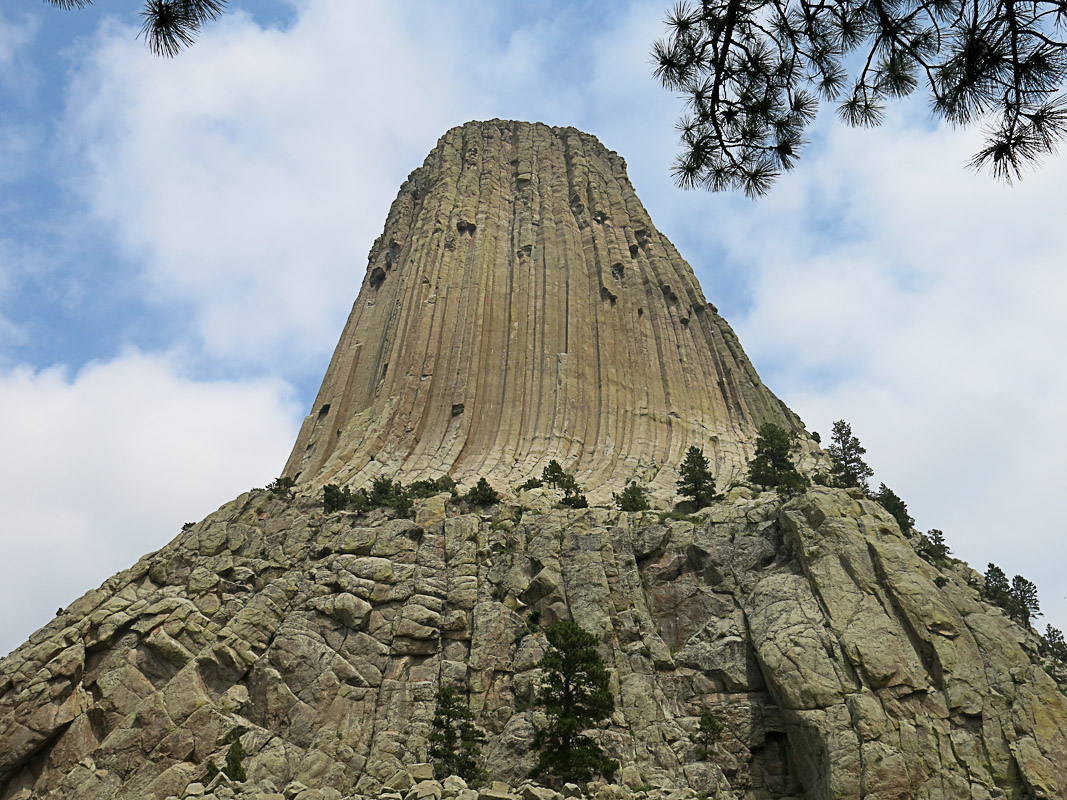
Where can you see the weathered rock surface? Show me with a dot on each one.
(839, 665)
(520, 306)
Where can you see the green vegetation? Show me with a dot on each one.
(384, 493)
(1055, 644)
(1019, 599)
(632, 498)
(421, 489)
(697, 481)
(772, 466)
(708, 731)
(455, 739)
(889, 500)
(482, 494)
(753, 75)
(281, 487)
(554, 476)
(574, 498)
(232, 769)
(848, 469)
(335, 498)
(234, 756)
(933, 548)
(533, 483)
(575, 695)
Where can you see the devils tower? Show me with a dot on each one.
(520, 307)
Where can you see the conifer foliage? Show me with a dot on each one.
(1019, 598)
(753, 73)
(773, 466)
(848, 469)
(482, 494)
(889, 500)
(575, 695)
(632, 498)
(697, 481)
(454, 739)
(708, 731)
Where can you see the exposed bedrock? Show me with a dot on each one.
(843, 665)
(520, 306)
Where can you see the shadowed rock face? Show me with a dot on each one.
(841, 664)
(520, 306)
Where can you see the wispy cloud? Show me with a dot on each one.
(231, 196)
(105, 465)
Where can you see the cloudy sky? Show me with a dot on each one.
(181, 240)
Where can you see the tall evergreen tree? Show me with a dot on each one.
(772, 466)
(697, 481)
(708, 731)
(848, 469)
(889, 500)
(455, 739)
(575, 695)
(1024, 595)
(1018, 599)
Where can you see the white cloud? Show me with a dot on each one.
(924, 304)
(252, 174)
(886, 285)
(104, 466)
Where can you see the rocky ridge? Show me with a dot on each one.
(419, 784)
(839, 665)
(521, 307)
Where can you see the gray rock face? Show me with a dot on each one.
(839, 666)
(520, 306)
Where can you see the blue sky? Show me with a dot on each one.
(181, 241)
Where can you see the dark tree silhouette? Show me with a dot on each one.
(753, 72)
(169, 25)
(575, 695)
(696, 479)
(848, 468)
(454, 738)
(772, 466)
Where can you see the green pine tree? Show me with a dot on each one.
(772, 466)
(233, 768)
(455, 739)
(848, 469)
(708, 731)
(482, 494)
(575, 695)
(889, 500)
(697, 481)
(553, 474)
(632, 498)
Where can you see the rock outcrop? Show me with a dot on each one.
(842, 664)
(520, 306)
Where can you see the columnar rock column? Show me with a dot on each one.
(520, 306)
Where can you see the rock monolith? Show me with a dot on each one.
(520, 307)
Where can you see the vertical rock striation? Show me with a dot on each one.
(520, 306)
